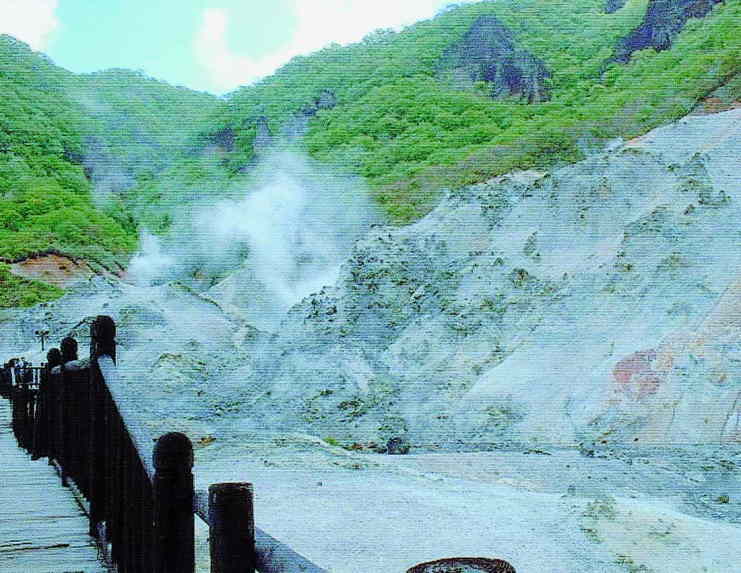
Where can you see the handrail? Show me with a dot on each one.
(21, 384)
(139, 492)
(140, 436)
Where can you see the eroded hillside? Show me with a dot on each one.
(595, 304)
(580, 326)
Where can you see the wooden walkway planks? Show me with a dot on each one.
(42, 529)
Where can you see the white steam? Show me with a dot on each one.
(284, 238)
(151, 263)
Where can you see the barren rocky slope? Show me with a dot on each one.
(596, 306)
(598, 303)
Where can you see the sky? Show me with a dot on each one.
(207, 45)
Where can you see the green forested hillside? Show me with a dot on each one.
(477, 91)
(45, 199)
(40, 129)
(141, 124)
(61, 136)
(139, 128)
(409, 132)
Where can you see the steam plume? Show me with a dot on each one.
(278, 239)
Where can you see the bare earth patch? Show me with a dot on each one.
(715, 105)
(54, 269)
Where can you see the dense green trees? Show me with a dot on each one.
(410, 133)
(45, 199)
(62, 134)
(140, 125)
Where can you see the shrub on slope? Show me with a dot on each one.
(15, 291)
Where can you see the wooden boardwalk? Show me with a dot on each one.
(42, 529)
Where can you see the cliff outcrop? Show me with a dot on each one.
(489, 53)
(663, 21)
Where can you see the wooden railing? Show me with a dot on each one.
(140, 499)
(21, 383)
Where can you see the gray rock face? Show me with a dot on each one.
(224, 138)
(596, 304)
(663, 21)
(397, 446)
(172, 345)
(488, 53)
(614, 5)
(326, 100)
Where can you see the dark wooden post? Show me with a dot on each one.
(481, 564)
(68, 347)
(5, 380)
(174, 525)
(97, 451)
(62, 450)
(232, 528)
(42, 428)
(18, 398)
(115, 496)
(103, 338)
(66, 422)
(102, 342)
(53, 359)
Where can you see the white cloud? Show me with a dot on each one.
(226, 68)
(32, 21)
(346, 21)
(319, 23)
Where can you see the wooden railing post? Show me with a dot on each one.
(76, 432)
(232, 528)
(65, 397)
(5, 385)
(20, 407)
(97, 451)
(42, 428)
(68, 347)
(174, 526)
(102, 468)
(61, 431)
(53, 359)
(103, 338)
